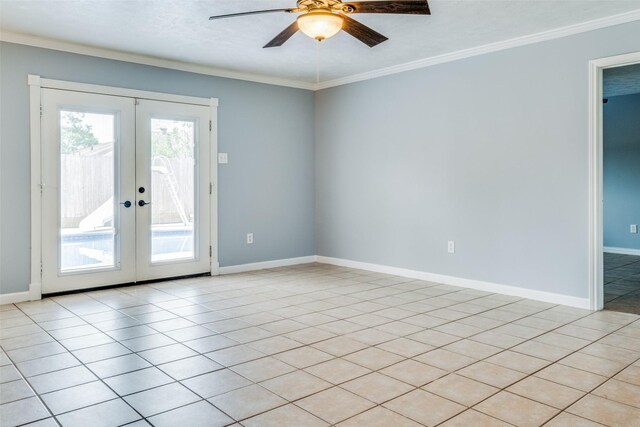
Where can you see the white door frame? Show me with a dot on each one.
(36, 83)
(596, 235)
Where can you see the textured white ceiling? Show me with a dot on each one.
(180, 30)
(621, 80)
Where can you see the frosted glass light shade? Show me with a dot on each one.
(320, 25)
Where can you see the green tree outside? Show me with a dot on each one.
(75, 135)
(174, 141)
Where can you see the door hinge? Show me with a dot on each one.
(211, 188)
(210, 126)
(41, 111)
(210, 251)
(136, 101)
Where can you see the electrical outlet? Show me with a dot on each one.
(451, 247)
(249, 238)
(633, 228)
(223, 158)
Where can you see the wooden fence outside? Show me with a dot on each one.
(86, 182)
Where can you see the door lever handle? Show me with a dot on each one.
(142, 203)
(127, 204)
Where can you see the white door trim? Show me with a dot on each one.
(213, 170)
(128, 93)
(35, 285)
(36, 83)
(596, 264)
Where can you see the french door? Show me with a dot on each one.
(126, 193)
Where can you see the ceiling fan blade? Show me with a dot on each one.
(363, 33)
(283, 36)
(415, 7)
(253, 12)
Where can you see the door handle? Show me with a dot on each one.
(142, 203)
(127, 204)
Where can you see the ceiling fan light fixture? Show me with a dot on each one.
(320, 25)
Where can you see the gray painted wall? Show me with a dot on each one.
(621, 117)
(267, 188)
(490, 151)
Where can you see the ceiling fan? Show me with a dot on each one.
(321, 19)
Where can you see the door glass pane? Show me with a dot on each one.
(87, 190)
(172, 189)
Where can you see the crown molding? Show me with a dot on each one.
(488, 48)
(46, 43)
(556, 33)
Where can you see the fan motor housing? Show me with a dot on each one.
(329, 5)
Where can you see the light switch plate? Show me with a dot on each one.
(633, 228)
(223, 158)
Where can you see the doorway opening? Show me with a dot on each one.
(621, 188)
(615, 180)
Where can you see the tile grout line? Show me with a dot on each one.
(35, 394)
(160, 332)
(81, 364)
(365, 327)
(471, 315)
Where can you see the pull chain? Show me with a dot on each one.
(317, 62)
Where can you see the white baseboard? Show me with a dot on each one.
(266, 264)
(465, 283)
(34, 293)
(378, 268)
(14, 297)
(622, 251)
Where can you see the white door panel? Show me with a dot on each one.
(88, 165)
(172, 222)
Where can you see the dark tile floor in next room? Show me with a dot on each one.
(622, 283)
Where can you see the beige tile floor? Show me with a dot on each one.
(314, 345)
